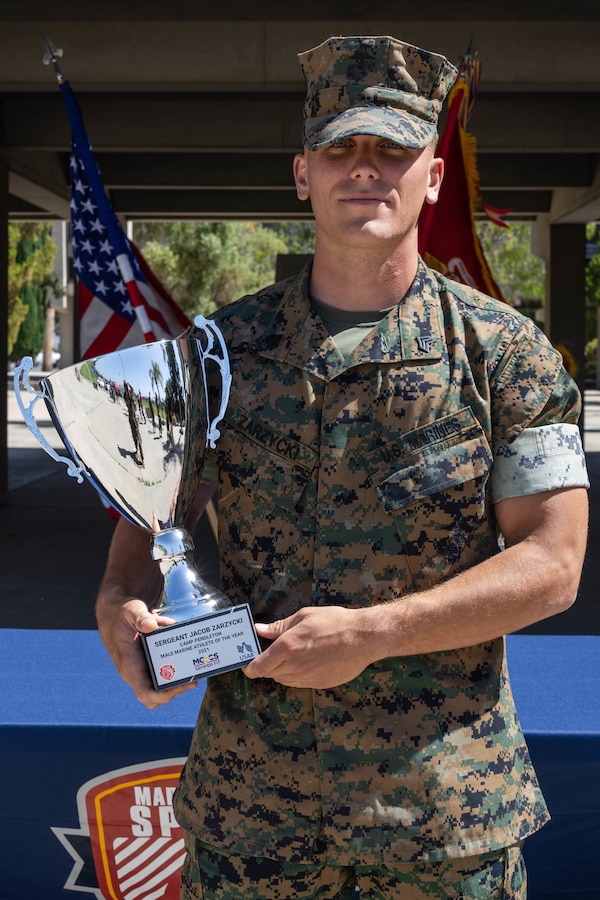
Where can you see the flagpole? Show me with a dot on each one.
(111, 222)
(51, 56)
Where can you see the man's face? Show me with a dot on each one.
(367, 190)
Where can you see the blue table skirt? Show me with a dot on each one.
(556, 683)
(67, 718)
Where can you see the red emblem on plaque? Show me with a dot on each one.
(167, 672)
(129, 834)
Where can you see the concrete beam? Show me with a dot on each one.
(570, 207)
(39, 181)
(537, 122)
(267, 122)
(259, 53)
(210, 204)
(520, 202)
(536, 170)
(227, 171)
(191, 10)
(157, 122)
(38, 196)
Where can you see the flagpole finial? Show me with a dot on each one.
(52, 55)
(471, 52)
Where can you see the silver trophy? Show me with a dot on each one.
(137, 424)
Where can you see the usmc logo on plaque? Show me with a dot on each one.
(128, 844)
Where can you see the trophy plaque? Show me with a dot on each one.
(137, 424)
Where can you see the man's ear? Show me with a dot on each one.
(301, 176)
(436, 176)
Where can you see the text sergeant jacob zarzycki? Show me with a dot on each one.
(400, 483)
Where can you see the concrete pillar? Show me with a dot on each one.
(598, 348)
(565, 304)
(69, 352)
(3, 333)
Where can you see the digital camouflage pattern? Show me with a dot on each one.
(355, 481)
(539, 459)
(211, 875)
(373, 85)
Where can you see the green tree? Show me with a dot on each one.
(592, 269)
(519, 273)
(207, 265)
(592, 298)
(31, 281)
(298, 237)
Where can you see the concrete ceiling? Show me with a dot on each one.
(194, 109)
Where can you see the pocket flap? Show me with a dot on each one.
(435, 457)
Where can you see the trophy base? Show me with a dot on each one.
(208, 645)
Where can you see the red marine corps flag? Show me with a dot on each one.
(121, 303)
(448, 240)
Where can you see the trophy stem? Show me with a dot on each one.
(183, 588)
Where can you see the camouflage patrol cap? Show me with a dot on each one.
(373, 85)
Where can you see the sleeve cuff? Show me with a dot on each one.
(539, 459)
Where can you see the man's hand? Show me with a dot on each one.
(129, 590)
(119, 627)
(317, 647)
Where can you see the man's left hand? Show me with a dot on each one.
(315, 648)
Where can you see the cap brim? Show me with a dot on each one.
(393, 124)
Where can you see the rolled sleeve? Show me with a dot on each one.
(543, 458)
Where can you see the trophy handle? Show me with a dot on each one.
(212, 332)
(21, 376)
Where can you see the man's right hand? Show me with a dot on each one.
(120, 624)
(129, 591)
(131, 585)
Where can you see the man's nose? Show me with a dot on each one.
(364, 164)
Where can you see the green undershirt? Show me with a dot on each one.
(348, 327)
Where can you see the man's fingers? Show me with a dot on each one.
(271, 630)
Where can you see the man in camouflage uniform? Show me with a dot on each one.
(401, 482)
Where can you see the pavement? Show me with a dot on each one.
(55, 535)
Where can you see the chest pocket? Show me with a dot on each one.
(450, 451)
(263, 460)
(432, 483)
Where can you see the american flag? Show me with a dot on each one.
(121, 303)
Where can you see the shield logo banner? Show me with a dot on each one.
(129, 846)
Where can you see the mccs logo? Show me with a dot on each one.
(207, 660)
(129, 845)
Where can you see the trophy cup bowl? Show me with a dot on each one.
(137, 424)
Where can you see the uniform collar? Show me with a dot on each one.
(412, 331)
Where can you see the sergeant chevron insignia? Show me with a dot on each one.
(426, 343)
